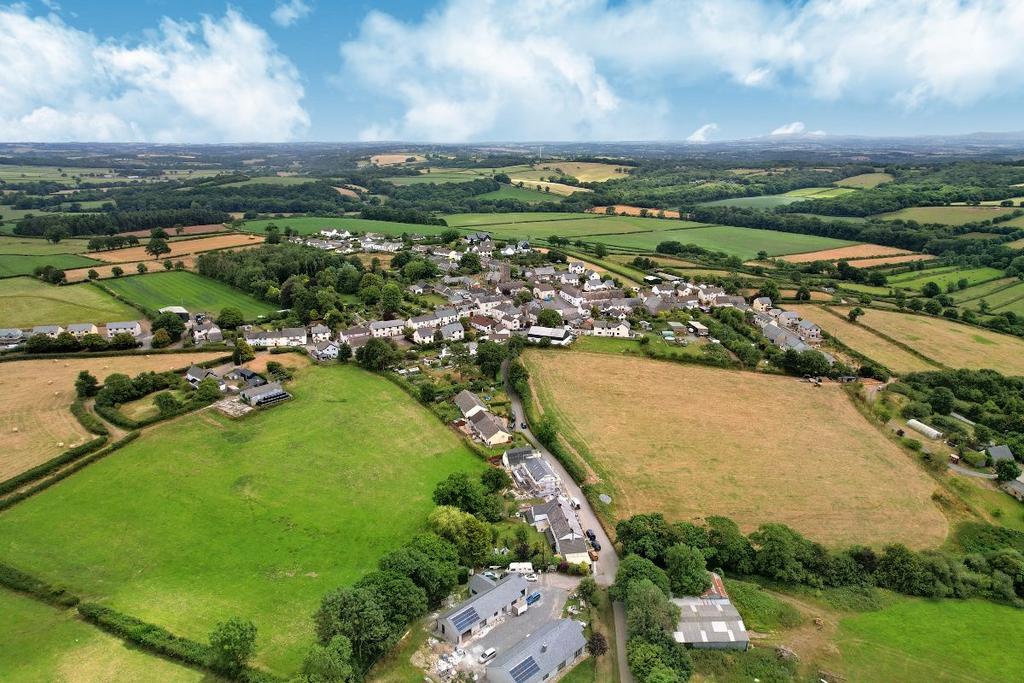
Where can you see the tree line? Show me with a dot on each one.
(117, 221)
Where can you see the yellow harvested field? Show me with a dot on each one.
(556, 188)
(81, 274)
(815, 295)
(1016, 244)
(187, 230)
(952, 344)
(35, 397)
(889, 260)
(852, 252)
(586, 171)
(628, 210)
(862, 340)
(393, 159)
(346, 192)
(757, 448)
(178, 248)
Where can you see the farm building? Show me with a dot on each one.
(697, 328)
(265, 395)
(998, 453)
(489, 600)
(930, 432)
(179, 311)
(544, 653)
(558, 336)
(710, 621)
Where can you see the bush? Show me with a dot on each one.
(18, 580)
(91, 423)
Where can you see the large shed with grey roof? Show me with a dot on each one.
(549, 650)
(485, 605)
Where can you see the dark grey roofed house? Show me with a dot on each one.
(516, 456)
(552, 648)
(468, 403)
(463, 620)
(490, 429)
(539, 469)
(1001, 452)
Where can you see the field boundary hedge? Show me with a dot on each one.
(158, 640)
(90, 422)
(14, 355)
(41, 470)
(21, 582)
(906, 347)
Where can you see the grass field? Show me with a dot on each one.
(865, 180)
(273, 180)
(206, 517)
(14, 173)
(1016, 244)
(983, 290)
(471, 220)
(178, 248)
(195, 292)
(523, 194)
(948, 215)
(915, 280)
(863, 340)
(106, 270)
(950, 343)
(12, 264)
(569, 225)
(584, 171)
(25, 302)
(309, 225)
(35, 396)
(41, 643)
(772, 200)
(753, 447)
(1009, 299)
(28, 245)
(633, 211)
(942, 640)
(851, 252)
(742, 242)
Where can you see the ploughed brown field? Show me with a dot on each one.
(105, 271)
(690, 442)
(633, 210)
(853, 251)
(188, 230)
(889, 260)
(35, 396)
(178, 248)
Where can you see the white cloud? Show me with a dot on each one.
(590, 68)
(702, 133)
(221, 79)
(794, 128)
(288, 12)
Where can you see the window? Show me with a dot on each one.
(561, 666)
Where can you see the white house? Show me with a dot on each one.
(79, 330)
(325, 350)
(289, 336)
(131, 327)
(604, 328)
(50, 331)
(319, 333)
(387, 328)
(468, 403)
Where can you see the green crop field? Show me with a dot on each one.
(980, 291)
(865, 180)
(440, 176)
(949, 215)
(42, 643)
(1009, 299)
(194, 292)
(208, 517)
(36, 246)
(13, 264)
(943, 277)
(741, 242)
(310, 225)
(25, 302)
(569, 225)
(819, 192)
(521, 193)
(773, 200)
(941, 640)
(472, 220)
(13, 173)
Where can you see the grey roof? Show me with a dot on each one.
(197, 372)
(466, 400)
(356, 332)
(516, 456)
(538, 468)
(487, 424)
(45, 329)
(571, 546)
(541, 653)
(541, 510)
(253, 392)
(446, 312)
(484, 604)
(11, 333)
(320, 329)
(80, 327)
(322, 346)
(123, 323)
(386, 324)
(1001, 452)
(294, 332)
(451, 330)
(703, 621)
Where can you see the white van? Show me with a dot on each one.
(488, 654)
(520, 567)
(575, 503)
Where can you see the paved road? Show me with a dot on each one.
(608, 563)
(971, 472)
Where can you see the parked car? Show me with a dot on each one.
(591, 535)
(522, 425)
(575, 503)
(533, 597)
(492, 576)
(530, 577)
(489, 654)
(597, 546)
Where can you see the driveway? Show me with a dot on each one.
(608, 563)
(969, 472)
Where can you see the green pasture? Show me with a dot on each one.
(950, 215)
(153, 291)
(207, 517)
(13, 173)
(864, 180)
(14, 264)
(772, 200)
(39, 247)
(43, 643)
(521, 193)
(742, 242)
(942, 277)
(1009, 299)
(25, 302)
(310, 225)
(473, 220)
(273, 180)
(982, 291)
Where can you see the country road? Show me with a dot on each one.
(608, 563)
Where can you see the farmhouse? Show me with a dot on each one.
(263, 396)
(547, 651)
(207, 331)
(489, 601)
(604, 328)
(131, 327)
(468, 403)
(710, 621)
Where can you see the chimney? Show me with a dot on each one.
(544, 647)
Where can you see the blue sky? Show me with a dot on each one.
(478, 70)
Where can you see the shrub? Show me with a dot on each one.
(17, 580)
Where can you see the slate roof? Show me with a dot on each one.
(466, 614)
(539, 654)
(487, 425)
(466, 400)
(1001, 452)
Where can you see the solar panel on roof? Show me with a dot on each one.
(524, 669)
(465, 619)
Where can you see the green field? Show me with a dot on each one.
(42, 643)
(441, 176)
(865, 180)
(25, 302)
(949, 215)
(469, 220)
(1009, 299)
(12, 264)
(981, 291)
(741, 242)
(36, 246)
(521, 193)
(941, 640)
(273, 180)
(772, 200)
(915, 280)
(208, 517)
(310, 225)
(194, 292)
(13, 173)
(568, 225)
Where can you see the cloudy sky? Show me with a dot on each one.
(474, 70)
